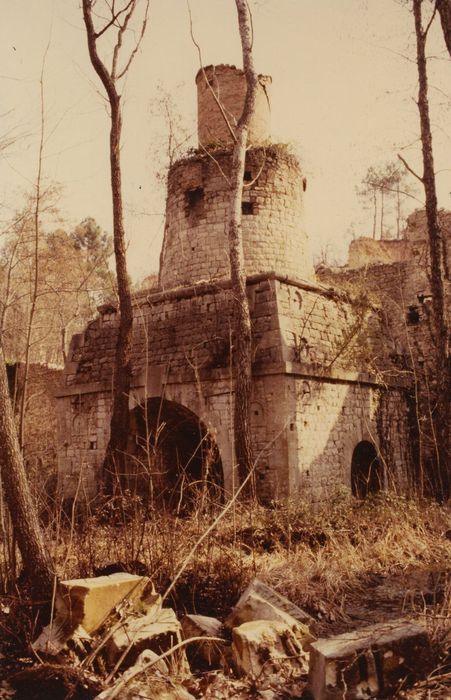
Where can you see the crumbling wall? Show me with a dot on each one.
(368, 251)
(229, 87)
(402, 292)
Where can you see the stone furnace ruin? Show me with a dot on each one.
(332, 354)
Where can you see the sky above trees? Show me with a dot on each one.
(343, 93)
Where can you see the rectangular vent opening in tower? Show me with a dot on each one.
(247, 208)
(194, 200)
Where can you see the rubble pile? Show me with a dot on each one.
(116, 628)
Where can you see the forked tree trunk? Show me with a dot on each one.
(243, 349)
(440, 477)
(36, 559)
(114, 462)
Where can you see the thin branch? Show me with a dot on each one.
(113, 19)
(138, 43)
(425, 33)
(407, 166)
(390, 189)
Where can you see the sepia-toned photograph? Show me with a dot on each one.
(225, 376)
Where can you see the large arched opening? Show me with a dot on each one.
(175, 461)
(366, 470)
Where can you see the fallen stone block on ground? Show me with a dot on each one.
(254, 607)
(272, 597)
(89, 601)
(158, 631)
(368, 662)
(83, 605)
(208, 654)
(267, 646)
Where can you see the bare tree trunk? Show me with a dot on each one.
(114, 458)
(444, 8)
(35, 557)
(243, 349)
(375, 212)
(114, 461)
(382, 214)
(34, 292)
(440, 477)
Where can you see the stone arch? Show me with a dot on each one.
(174, 458)
(366, 470)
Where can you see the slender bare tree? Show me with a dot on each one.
(243, 351)
(440, 476)
(119, 19)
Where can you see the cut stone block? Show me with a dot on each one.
(158, 631)
(267, 646)
(205, 655)
(254, 607)
(268, 594)
(89, 601)
(369, 662)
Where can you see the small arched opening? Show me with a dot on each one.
(175, 461)
(366, 470)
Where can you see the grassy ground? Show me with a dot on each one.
(348, 563)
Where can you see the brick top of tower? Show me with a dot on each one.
(228, 84)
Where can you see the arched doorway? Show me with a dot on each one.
(175, 461)
(366, 470)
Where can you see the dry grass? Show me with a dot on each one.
(328, 559)
(319, 557)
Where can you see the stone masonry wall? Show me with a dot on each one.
(308, 397)
(195, 245)
(403, 293)
(83, 427)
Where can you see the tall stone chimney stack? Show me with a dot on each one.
(226, 86)
(195, 245)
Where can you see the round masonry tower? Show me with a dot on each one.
(195, 245)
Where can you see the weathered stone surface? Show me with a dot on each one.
(230, 83)
(367, 662)
(207, 654)
(158, 631)
(267, 646)
(261, 602)
(89, 601)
